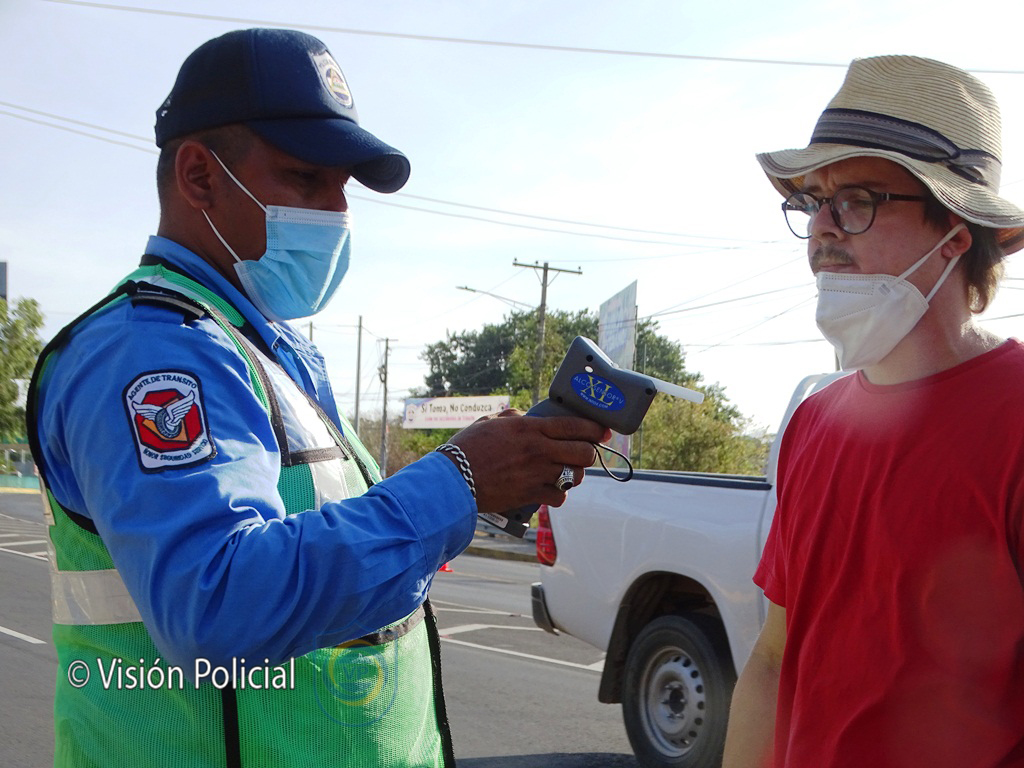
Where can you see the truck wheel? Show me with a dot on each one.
(676, 692)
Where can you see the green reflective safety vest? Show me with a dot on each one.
(374, 701)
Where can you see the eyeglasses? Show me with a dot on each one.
(853, 209)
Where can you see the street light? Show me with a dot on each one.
(513, 302)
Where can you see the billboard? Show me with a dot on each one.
(616, 331)
(616, 336)
(450, 412)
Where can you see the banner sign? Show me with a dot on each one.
(450, 412)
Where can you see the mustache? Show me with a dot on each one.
(829, 255)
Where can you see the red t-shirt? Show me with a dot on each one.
(897, 552)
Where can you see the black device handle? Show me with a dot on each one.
(587, 384)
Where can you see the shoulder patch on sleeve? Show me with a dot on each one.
(168, 420)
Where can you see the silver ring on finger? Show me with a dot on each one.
(567, 479)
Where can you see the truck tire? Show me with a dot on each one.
(676, 692)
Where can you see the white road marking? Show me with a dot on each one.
(33, 555)
(559, 662)
(17, 533)
(463, 628)
(446, 609)
(475, 627)
(460, 608)
(20, 636)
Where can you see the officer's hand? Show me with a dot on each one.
(517, 460)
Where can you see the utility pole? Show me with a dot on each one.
(541, 316)
(359, 362)
(384, 416)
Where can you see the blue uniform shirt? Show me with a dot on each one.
(216, 568)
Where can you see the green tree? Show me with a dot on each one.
(501, 359)
(699, 438)
(19, 347)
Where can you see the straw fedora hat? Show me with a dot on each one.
(939, 122)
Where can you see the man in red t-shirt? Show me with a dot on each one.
(893, 569)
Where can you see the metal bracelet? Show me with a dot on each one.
(462, 461)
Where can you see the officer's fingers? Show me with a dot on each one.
(577, 475)
(569, 477)
(573, 453)
(556, 499)
(573, 428)
(501, 415)
(561, 485)
(514, 479)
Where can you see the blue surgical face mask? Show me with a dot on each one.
(306, 258)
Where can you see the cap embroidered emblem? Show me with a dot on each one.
(333, 78)
(165, 409)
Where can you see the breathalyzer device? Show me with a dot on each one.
(589, 384)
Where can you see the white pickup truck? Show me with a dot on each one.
(657, 573)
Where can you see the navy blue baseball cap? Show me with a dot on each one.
(287, 87)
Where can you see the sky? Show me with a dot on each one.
(613, 138)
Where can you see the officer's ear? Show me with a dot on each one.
(195, 169)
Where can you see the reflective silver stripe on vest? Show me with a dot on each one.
(91, 597)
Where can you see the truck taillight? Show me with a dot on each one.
(547, 552)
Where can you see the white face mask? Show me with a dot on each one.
(866, 316)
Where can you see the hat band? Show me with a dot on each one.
(876, 131)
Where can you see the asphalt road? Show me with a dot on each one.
(27, 658)
(517, 697)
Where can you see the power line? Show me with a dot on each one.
(378, 201)
(638, 320)
(821, 340)
(632, 258)
(758, 325)
(528, 226)
(493, 43)
(578, 223)
(727, 287)
(150, 150)
(70, 120)
(726, 301)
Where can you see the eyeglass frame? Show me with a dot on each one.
(876, 198)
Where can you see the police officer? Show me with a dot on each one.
(233, 582)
